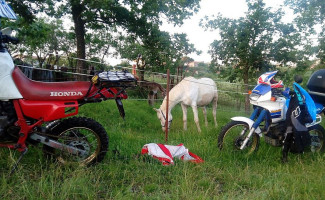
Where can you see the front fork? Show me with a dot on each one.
(262, 114)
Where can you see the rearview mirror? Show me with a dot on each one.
(6, 31)
(298, 79)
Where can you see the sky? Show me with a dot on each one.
(201, 38)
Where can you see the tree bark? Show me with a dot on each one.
(141, 65)
(246, 89)
(79, 29)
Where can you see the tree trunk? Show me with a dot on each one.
(247, 105)
(79, 29)
(141, 73)
(140, 66)
(57, 58)
(40, 60)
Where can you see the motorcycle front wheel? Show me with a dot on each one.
(82, 133)
(232, 136)
(317, 134)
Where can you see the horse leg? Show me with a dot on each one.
(196, 117)
(151, 98)
(184, 108)
(214, 109)
(154, 96)
(204, 109)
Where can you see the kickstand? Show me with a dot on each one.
(17, 162)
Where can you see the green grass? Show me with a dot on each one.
(126, 174)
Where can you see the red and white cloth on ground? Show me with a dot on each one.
(166, 153)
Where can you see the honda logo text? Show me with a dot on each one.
(65, 94)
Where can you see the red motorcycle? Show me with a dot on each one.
(33, 112)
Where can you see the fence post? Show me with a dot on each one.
(177, 75)
(237, 99)
(167, 104)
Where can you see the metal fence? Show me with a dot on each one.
(231, 96)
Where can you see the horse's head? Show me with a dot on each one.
(162, 117)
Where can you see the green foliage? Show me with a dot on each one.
(285, 49)
(310, 19)
(248, 43)
(27, 9)
(97, 64)
(99, 43)
(43, 38)
(310, 13)
(161, 50)
(139, 19)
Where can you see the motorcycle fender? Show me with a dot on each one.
(249, 122)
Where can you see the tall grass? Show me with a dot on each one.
(126, 174)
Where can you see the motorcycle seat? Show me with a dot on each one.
(36, 90)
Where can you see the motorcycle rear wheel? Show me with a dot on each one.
(317, 134)
(230, 138)
(83, 133)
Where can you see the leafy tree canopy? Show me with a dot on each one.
(251, 42)
(310, 15)
(140, 19)
(102, 24)
(27, 9)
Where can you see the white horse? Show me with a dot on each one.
(190, 92)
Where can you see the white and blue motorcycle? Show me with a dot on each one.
(268, 119)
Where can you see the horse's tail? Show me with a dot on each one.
(216, 95)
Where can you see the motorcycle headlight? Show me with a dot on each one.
(254, 96)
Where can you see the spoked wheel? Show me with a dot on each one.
(317, 134)
(81, 133)
(232, 136)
